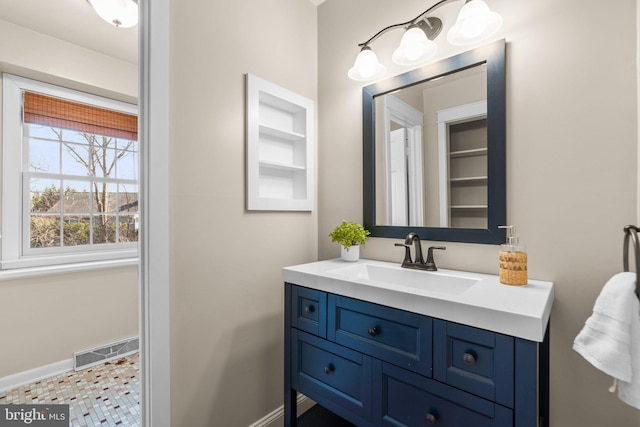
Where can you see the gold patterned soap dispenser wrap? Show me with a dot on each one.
(513, 260)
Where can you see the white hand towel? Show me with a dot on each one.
(629, 392)
(610, 338)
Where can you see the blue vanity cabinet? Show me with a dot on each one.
(379, 366)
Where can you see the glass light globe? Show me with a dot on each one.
(367, 66)
(120, 13)
(413, 43)
(472, 18)
(475, 23)
(414, 48)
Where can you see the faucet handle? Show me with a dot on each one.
(407, 253)
(431, 265)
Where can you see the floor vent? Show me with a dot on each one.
(95, 356)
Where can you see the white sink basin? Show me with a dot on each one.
(473, 299)
(415, 280)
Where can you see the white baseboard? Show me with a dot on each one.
(276, 418)
(21, 378)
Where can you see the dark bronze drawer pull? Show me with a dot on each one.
(469, 359)
(309, 309)
(374, 331)
(329, 368)
(431, 419)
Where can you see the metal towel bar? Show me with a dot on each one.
(631, 231)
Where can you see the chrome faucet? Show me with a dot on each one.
(419, 263)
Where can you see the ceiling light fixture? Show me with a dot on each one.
(120, 13)
(475, 23)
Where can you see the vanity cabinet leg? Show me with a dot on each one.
(526, 413)
(543, 390)
(290, 395)
(529, 385)
(290, 409)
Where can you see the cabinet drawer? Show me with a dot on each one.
(309, 310)
(335, 377)
(478, 361)
(411, 400)
(392, 335)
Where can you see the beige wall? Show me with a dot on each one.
(571, 159)
(48, 318)
(226, 278)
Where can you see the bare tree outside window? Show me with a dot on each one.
(98, 173)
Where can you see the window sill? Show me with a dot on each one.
(20, 273)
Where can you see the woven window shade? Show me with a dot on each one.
(57, 112)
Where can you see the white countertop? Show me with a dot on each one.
(520, 311)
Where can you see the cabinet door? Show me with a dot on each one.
(392, 335)
(478, 361)
(410, 400)
(338, 378)
(309, 310)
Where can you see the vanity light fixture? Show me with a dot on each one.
(475, 23)
(120, 13)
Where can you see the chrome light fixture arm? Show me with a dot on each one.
(430, 22)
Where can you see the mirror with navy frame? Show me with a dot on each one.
(399, 200)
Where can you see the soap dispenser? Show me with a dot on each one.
(513, 260)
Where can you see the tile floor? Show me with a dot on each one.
(103, 395)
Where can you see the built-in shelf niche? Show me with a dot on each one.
(462, 133)
(280, 148)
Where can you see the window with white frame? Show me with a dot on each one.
(69, 177)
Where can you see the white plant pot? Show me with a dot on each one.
(352, 253)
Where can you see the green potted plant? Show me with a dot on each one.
(350, 235)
